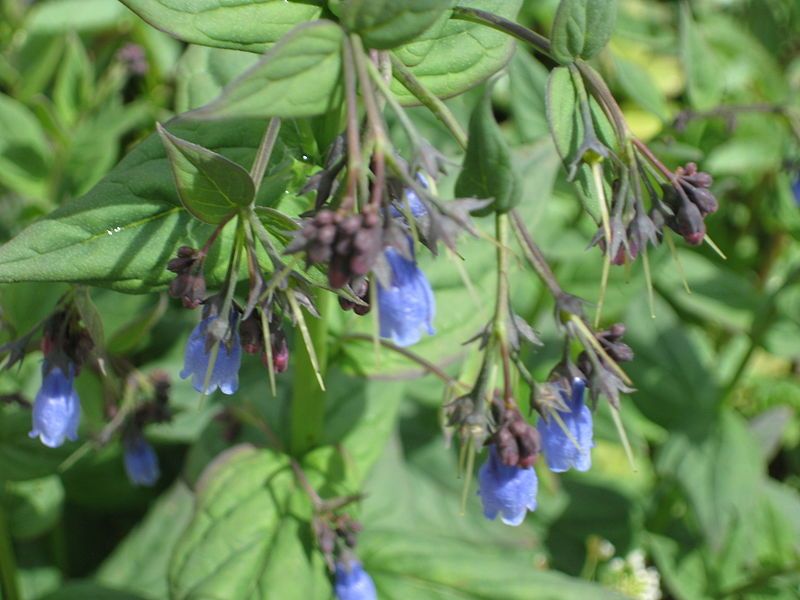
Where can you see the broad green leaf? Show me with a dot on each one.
(122, 233)
(487, 171)
(528, 85)
(388, 23)
(714, 469)
(203, 72)
(62, 16)
(210, 186)
(563, 112)
(24, 150)
(247, 537)
(236, 24)
(88, 589)
(299, 77)
(34, 506)
(582, 28)
(703, 74)
(139, 563)
(462, 54)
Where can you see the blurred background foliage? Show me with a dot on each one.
(713, 504)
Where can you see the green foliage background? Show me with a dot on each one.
(714, 501)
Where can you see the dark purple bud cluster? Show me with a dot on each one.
(189, 284)
(517, 441)
(602, 377)
(360, 288)
(66, 343)
(347, 243)
(690, 200)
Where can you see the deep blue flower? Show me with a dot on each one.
(56, 409)
(141, 461)
(509, 491)
(796, 189)
(225, 374)
(561, 451)
(353, 582)
(406, 308)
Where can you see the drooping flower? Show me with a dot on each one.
(56, 409)
(507, 491)
(141, 461)
(406, 308)
(353, 582)
(225, 373)
(561, 452)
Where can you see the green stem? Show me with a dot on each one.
(8, 563)
(541, 43)
(265, 152)
(431, 101)
(308, 399)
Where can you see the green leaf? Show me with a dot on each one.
(528, 85)
(24, 150)
(487, 171)
(562, 112)
(449, 60)
(62, 16)
(34, 506)
(74, 81)
(639, 86)
(299, 77)
(582, 28)
(122, 233)
(236, 24)
(88, 589)
(139, 563)
(386, 24)
(249, 535)
(703, 79)
(203, 72)
(210, 186)
(22, 458)
(715, 470)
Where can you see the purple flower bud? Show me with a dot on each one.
(509, 491)
(225, 373)
(407, 307)
(353, 582)
(141, 461)
(56, 409)
(559, 450)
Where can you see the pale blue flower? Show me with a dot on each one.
(141, 461)
(353, 582)
(406, 308)
(56, 409)
(225, 374)
(560, 451)
(507, 491)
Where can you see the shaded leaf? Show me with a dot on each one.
(582, 28)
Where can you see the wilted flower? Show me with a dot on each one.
(225, 372)
(509, 491)
(141, 461)
(353, 582)
(407, 306)
(570, 446)
(56, 409)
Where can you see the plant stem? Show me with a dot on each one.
(8, 564)
(539, 42)
(500, 324)
(535, 256)
(308, 398)
(265, 151)
(431, 101)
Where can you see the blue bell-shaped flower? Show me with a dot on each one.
(406, 308)
(141, 461)
(56, 409)
(225, 373)
(561, 452)
(353, 582)
(508, 491)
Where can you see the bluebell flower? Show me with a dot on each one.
(405, 308)
(560, 451)
(415, 205)
(225, 374)
(141, 461)
(56, 409)
(353, 582)
(509, 491)
(796, 188)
